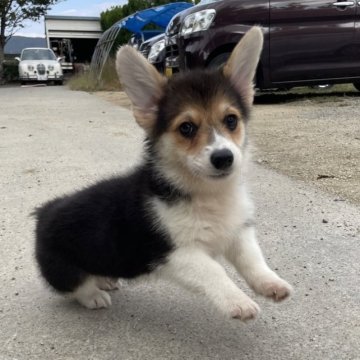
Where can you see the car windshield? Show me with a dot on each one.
(38, 54)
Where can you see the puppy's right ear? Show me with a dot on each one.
(142, 83)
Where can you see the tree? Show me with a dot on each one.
(12, 16)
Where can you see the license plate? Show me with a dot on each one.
(168, 71)
(42, 77)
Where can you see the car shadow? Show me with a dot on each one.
(270, 98)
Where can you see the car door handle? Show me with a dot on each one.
(344, 3)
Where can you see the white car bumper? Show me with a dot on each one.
(37, 77)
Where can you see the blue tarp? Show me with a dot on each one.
(160, 16)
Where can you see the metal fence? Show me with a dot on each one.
(135, 23)
(103, 48)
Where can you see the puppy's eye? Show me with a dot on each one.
(188, 129)
(231, 122)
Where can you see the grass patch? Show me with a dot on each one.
(88, 81)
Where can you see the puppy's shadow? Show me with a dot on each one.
(162, 313)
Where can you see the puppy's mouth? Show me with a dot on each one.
(220, 175)
(209, 172)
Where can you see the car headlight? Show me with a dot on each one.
(198, 21)
(155, 50)
(30, 67)
(51, 67)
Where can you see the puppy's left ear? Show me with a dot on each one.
(242, 64)
(142, 83)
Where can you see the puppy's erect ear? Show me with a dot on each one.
(142, 83)
(242, 64)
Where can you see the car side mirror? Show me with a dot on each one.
(60, 58)
(17, 58)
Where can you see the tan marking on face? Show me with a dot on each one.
(221, 110)
(198, 117)
(207, 121)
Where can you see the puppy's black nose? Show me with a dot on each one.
(222, 159)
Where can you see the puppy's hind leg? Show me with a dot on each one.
(68, 278)
(90, 295)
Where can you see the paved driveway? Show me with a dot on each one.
(52, 141)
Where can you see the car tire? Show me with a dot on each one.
(59, 82)
(219, 60)
(357, 85)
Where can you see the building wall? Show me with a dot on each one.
(72, 27)
(83, 32)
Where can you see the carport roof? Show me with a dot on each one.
(160, 16)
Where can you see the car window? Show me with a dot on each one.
(38, 54)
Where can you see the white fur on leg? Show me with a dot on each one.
(107, 283)
(89, 295)
(194, 269)
(246, 256)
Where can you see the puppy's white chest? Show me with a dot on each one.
(208, 221)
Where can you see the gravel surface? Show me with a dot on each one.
(311, 136)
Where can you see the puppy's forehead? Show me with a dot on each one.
(200, 87)
(201, 90)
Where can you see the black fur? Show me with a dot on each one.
(103, 230)
(107, 229)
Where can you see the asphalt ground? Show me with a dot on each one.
(53, 141)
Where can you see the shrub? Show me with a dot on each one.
(88, 81)
(11, 72)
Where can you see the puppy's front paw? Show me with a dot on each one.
(273, 287)
(97, 300)
(243, 308)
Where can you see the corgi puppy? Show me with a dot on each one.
(182, 208)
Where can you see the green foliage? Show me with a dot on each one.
(116, 13)
(14, 12)
(110, 17)
(10, 71)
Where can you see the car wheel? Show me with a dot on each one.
(59, 82)
(219, 60)
(357, 85)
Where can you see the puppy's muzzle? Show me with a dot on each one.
(222, 159)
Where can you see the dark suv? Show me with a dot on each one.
(306, 42)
